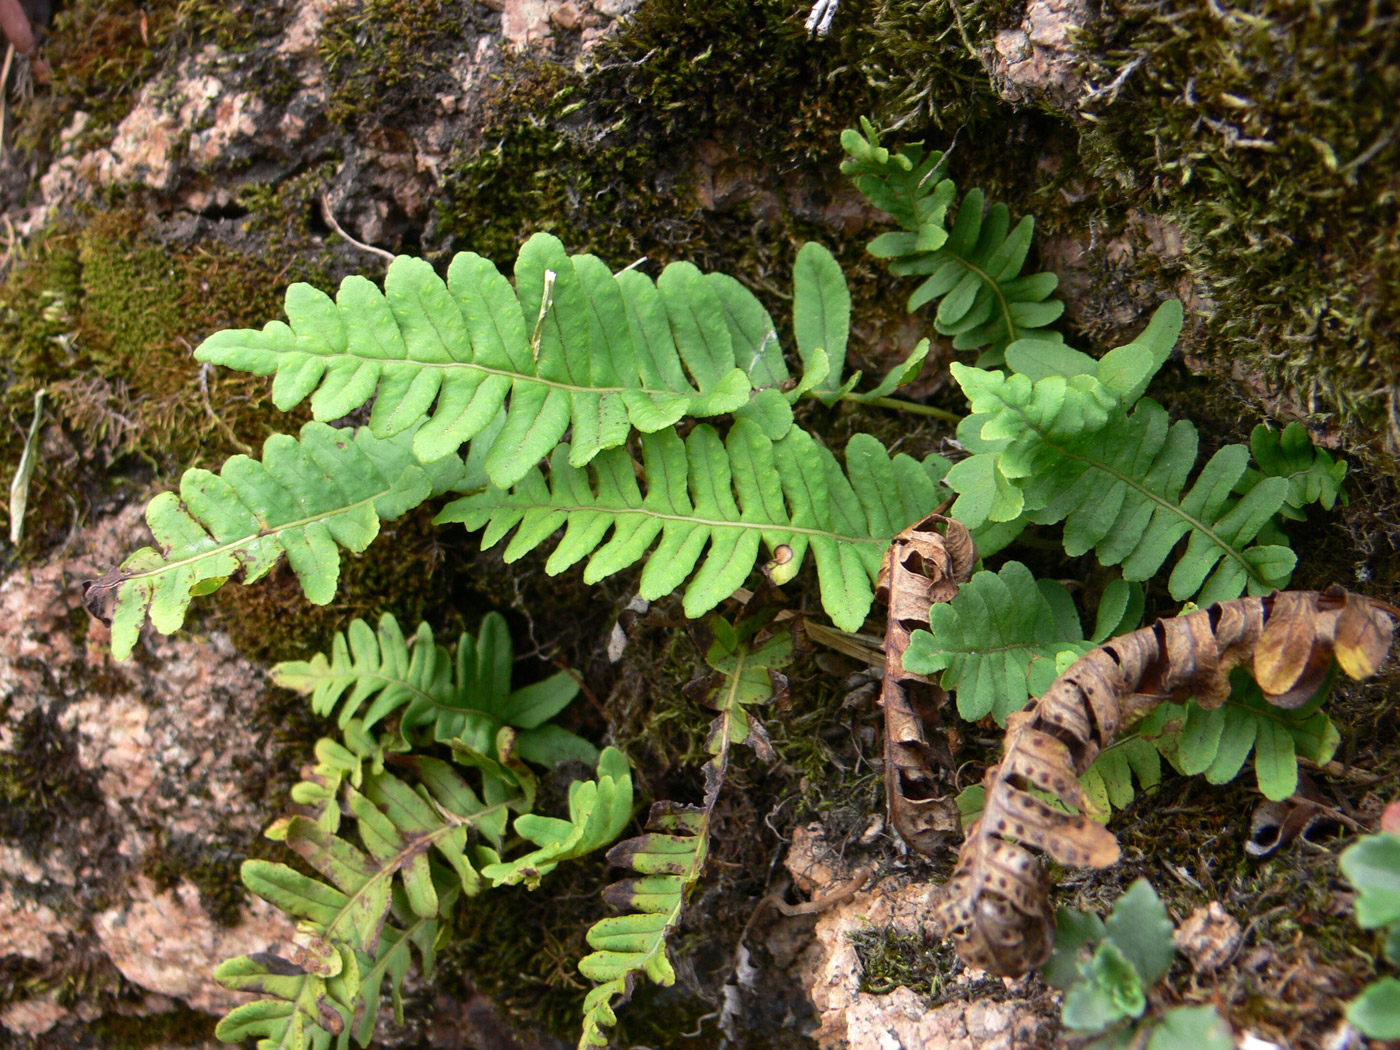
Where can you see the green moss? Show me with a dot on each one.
(179, 1027)
(892, 960)
(41, 779)
(283, 213)
(105, 318)
(1266, 131)
(211, 867)
(386, 57)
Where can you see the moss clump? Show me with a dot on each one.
(1266, 130)
(41, 779)
(211, 867)
(385, 57)
(104, 318)
(179, 1027)
(892, 960)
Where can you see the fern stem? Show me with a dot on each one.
(914, 407)
(389, 866)
(714, 523)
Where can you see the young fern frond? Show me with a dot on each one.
(722, 500)
(345, 949)
(973, 268)
(1313, 476)
(670, 858)
(305, 498)
(464, 699)
(1218, 742)
(1063, 441)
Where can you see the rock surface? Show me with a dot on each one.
(108, 769)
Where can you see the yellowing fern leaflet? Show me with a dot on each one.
(670, 858)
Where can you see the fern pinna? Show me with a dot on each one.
(669, 858)
(425, 835)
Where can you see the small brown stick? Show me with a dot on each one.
(842, 892)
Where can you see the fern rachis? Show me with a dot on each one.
(712, 504)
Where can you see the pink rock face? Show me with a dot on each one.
(167, 943)
(1037, 60)
(150, 752)
(832, 972)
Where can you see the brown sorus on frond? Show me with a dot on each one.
(998, 909)
(921, 567)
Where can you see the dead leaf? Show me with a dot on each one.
(922, 566)
(998, 909)
(1275, 825)
(1209, 937)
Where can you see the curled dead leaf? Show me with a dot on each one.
(922, 566)
(997, 909)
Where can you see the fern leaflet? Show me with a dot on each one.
(670, 858)
(344, 953)
(331, 487)
(598, 811)
(338, 764)
(464, 700)
(572, 346)
(974, 268)
(998, 641)
(730, 496)
(1218, 742)
(1312, 475)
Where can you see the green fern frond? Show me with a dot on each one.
(302, 1009)
(669, 860)
(1218, 742)
(304, 499)
(1066, 448)
(572, 346)
(344, 953)
(598, 811)
(463, 699)
(973, 268)
(1126, 766)
(1001, 638)
(728, 496)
